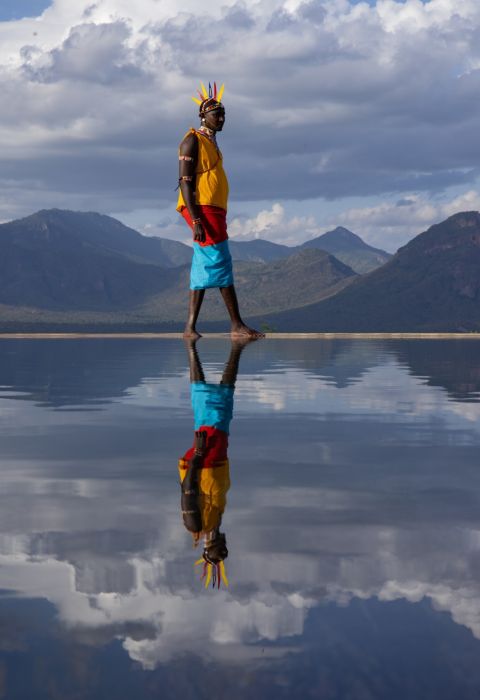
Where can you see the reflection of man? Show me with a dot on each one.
(204, 469)
(202, 201)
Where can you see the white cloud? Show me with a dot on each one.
(396, 222)
(389, 225)
(274, 225)
(172, 227)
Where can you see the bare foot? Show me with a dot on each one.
(191, 334)
(243, 331)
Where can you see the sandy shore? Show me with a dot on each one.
(269, 336)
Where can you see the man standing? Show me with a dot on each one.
(202, 201)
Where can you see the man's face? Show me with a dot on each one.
(215, 119)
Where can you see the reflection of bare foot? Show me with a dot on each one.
(243, 331)
(239, 341)
(191, 334)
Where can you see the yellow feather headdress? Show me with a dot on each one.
(213, 572)
(210, 94)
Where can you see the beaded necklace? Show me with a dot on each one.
(210, 134)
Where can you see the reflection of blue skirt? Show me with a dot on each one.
(212, 405)
(211, 266)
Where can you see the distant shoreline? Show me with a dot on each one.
(269, 336)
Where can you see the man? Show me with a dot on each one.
(205, 469)
(202, 202)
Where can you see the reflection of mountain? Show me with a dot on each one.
(96, 371)
(93, 371)
(340, 362)
(453, 365)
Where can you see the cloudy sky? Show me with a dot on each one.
(338, 112)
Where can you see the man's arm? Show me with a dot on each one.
(188, 157)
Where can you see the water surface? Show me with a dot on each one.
(352, 522)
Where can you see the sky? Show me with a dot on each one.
(363, 115)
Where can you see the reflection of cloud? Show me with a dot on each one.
(178, 618)
(268, 600)
(462, 603)
(224, 626)
(382, 393)
(468, 411)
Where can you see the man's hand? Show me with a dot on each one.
(198, 233)
(200, 442)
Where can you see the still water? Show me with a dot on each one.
(352, 521)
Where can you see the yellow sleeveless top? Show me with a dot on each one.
(214, 483)
(211, 186)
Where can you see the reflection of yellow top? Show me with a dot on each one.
(213, 483)
(211, 185)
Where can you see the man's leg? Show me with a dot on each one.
(196, 298)
(239, 329)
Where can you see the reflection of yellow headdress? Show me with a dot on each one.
(211, 94)
(213, 572)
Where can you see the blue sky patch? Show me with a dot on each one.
(17, 9)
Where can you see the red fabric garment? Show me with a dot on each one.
(214, 221)
(217, 447)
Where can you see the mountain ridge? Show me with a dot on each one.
(103, 230)
(345, 245)
(350, 249)
(431, 284)
(54, 275)
(60, 266)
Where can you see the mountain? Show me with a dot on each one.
(431, 284)
(68, 270)
(350, 249)
(63, 269)
(260, 250)
(262, 288)
(288, 283)
(99, 230)
(66, 260)
(342, 243)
